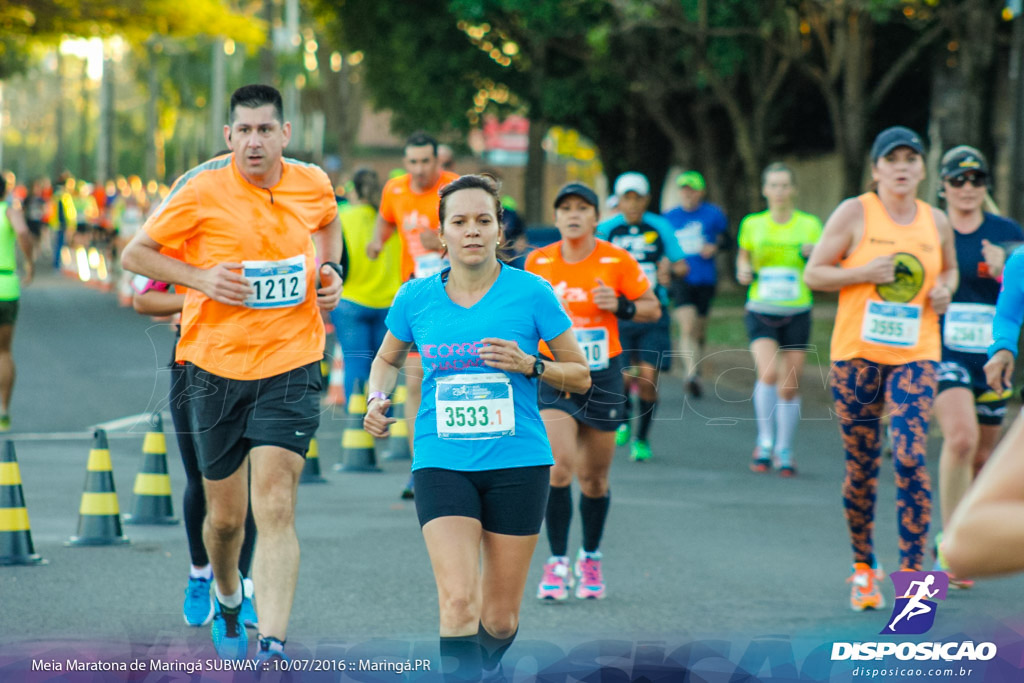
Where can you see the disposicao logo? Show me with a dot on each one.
(916, 592)
(914, 614)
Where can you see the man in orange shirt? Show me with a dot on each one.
(411, 202)
(252, 339)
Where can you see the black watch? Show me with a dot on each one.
(538, 366)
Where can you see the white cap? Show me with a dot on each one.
(632, 182)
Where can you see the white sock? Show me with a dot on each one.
(201, 573)
(230, 601)
(787, 417)
(765, 398)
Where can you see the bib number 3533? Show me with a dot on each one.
(276, 284)
(475, 406)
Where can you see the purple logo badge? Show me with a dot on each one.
(914, 611)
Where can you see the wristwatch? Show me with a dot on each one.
(538, 367)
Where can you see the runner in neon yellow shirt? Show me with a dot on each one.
(774, 246)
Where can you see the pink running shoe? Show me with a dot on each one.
(557, 580)
(591, 581)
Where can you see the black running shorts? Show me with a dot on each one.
(509, 501)
(231, 417)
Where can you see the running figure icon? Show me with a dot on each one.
(915, 606)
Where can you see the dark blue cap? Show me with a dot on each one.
(896, 136)
(578, 189)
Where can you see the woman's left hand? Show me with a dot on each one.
(506, 355)
(940, 296)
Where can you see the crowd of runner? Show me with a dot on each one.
(522, 380)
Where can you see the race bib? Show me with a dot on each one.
(778, 284)
(276, 284)
(651, 271)
(594, 342)
(968, 327)
(429, 264)
(691, 238)
(475, 406)
(891, 324)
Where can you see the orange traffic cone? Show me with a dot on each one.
(336, 380)
(15, 535)
(398, 433)
(152, 483)
(311, 470)
(99, 519)
(357, 446)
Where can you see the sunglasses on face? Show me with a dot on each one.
(975, 179)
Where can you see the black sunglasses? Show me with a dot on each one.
(976, 179)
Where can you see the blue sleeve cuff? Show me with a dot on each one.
(1001, 345)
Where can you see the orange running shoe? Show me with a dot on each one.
(865, 594)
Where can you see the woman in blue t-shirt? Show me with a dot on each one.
(481, 454)
(969, 413)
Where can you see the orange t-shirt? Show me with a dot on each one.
(892, 323)
(213, 215)
(596, 329)
(399, 202)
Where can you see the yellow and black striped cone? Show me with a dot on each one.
(152, 484)
(311, 470)
(15, 535)
(357, 446)
(99, 518)
(398, 434)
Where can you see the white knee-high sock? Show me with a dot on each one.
(765, 398)
(787, 417)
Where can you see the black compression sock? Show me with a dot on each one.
(558, 517)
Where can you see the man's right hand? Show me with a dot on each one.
(222, 284)
(999, 371)
(373, 249)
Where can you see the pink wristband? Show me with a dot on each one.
(376, 394)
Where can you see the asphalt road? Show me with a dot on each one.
(701, 555)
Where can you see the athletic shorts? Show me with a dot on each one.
(8, 312)
(231, 417)
(788, 331)
(683, 294)
(509, 501)
(603, 407)
(990, 406)
(649, 343)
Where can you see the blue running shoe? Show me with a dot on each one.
(229, 636)
(269, 657)
(198, 602)
(248, 611)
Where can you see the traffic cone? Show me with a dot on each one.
(99, 519)
(152, 483)
(398, 433)
(311, 470)
(15, 535)
(357, 446)
(336, 380)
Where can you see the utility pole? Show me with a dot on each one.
(1017, 98)
(218, 110)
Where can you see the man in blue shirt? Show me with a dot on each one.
(698, 226)
(650, 240)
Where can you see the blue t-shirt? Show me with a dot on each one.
(693, 229)
(475, 401)
(647, 242)
(1010, 307)
(961, 340)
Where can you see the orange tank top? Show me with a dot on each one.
(892, 323)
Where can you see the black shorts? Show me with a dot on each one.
(788, 331)
(649, 343)
(509, 501)
(989, 406)
(231, 417)
(603, 407)
(8, 312)
(700, 296)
